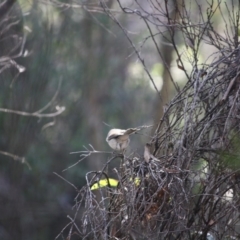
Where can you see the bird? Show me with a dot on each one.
(118, 139)
(147, 155)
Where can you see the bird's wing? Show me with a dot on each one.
(115, 133)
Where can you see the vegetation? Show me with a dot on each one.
(70, 69)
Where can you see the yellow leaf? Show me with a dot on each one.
(110, 182)
(137, 181)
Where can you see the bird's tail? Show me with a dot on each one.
(131, 131)
(135, 130)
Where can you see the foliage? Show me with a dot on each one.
(189, 188)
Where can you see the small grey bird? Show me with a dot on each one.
(147, 155)
(118, 139)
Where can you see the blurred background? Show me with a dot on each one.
(73, 56)
(84, 59)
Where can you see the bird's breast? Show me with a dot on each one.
(118, 144)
